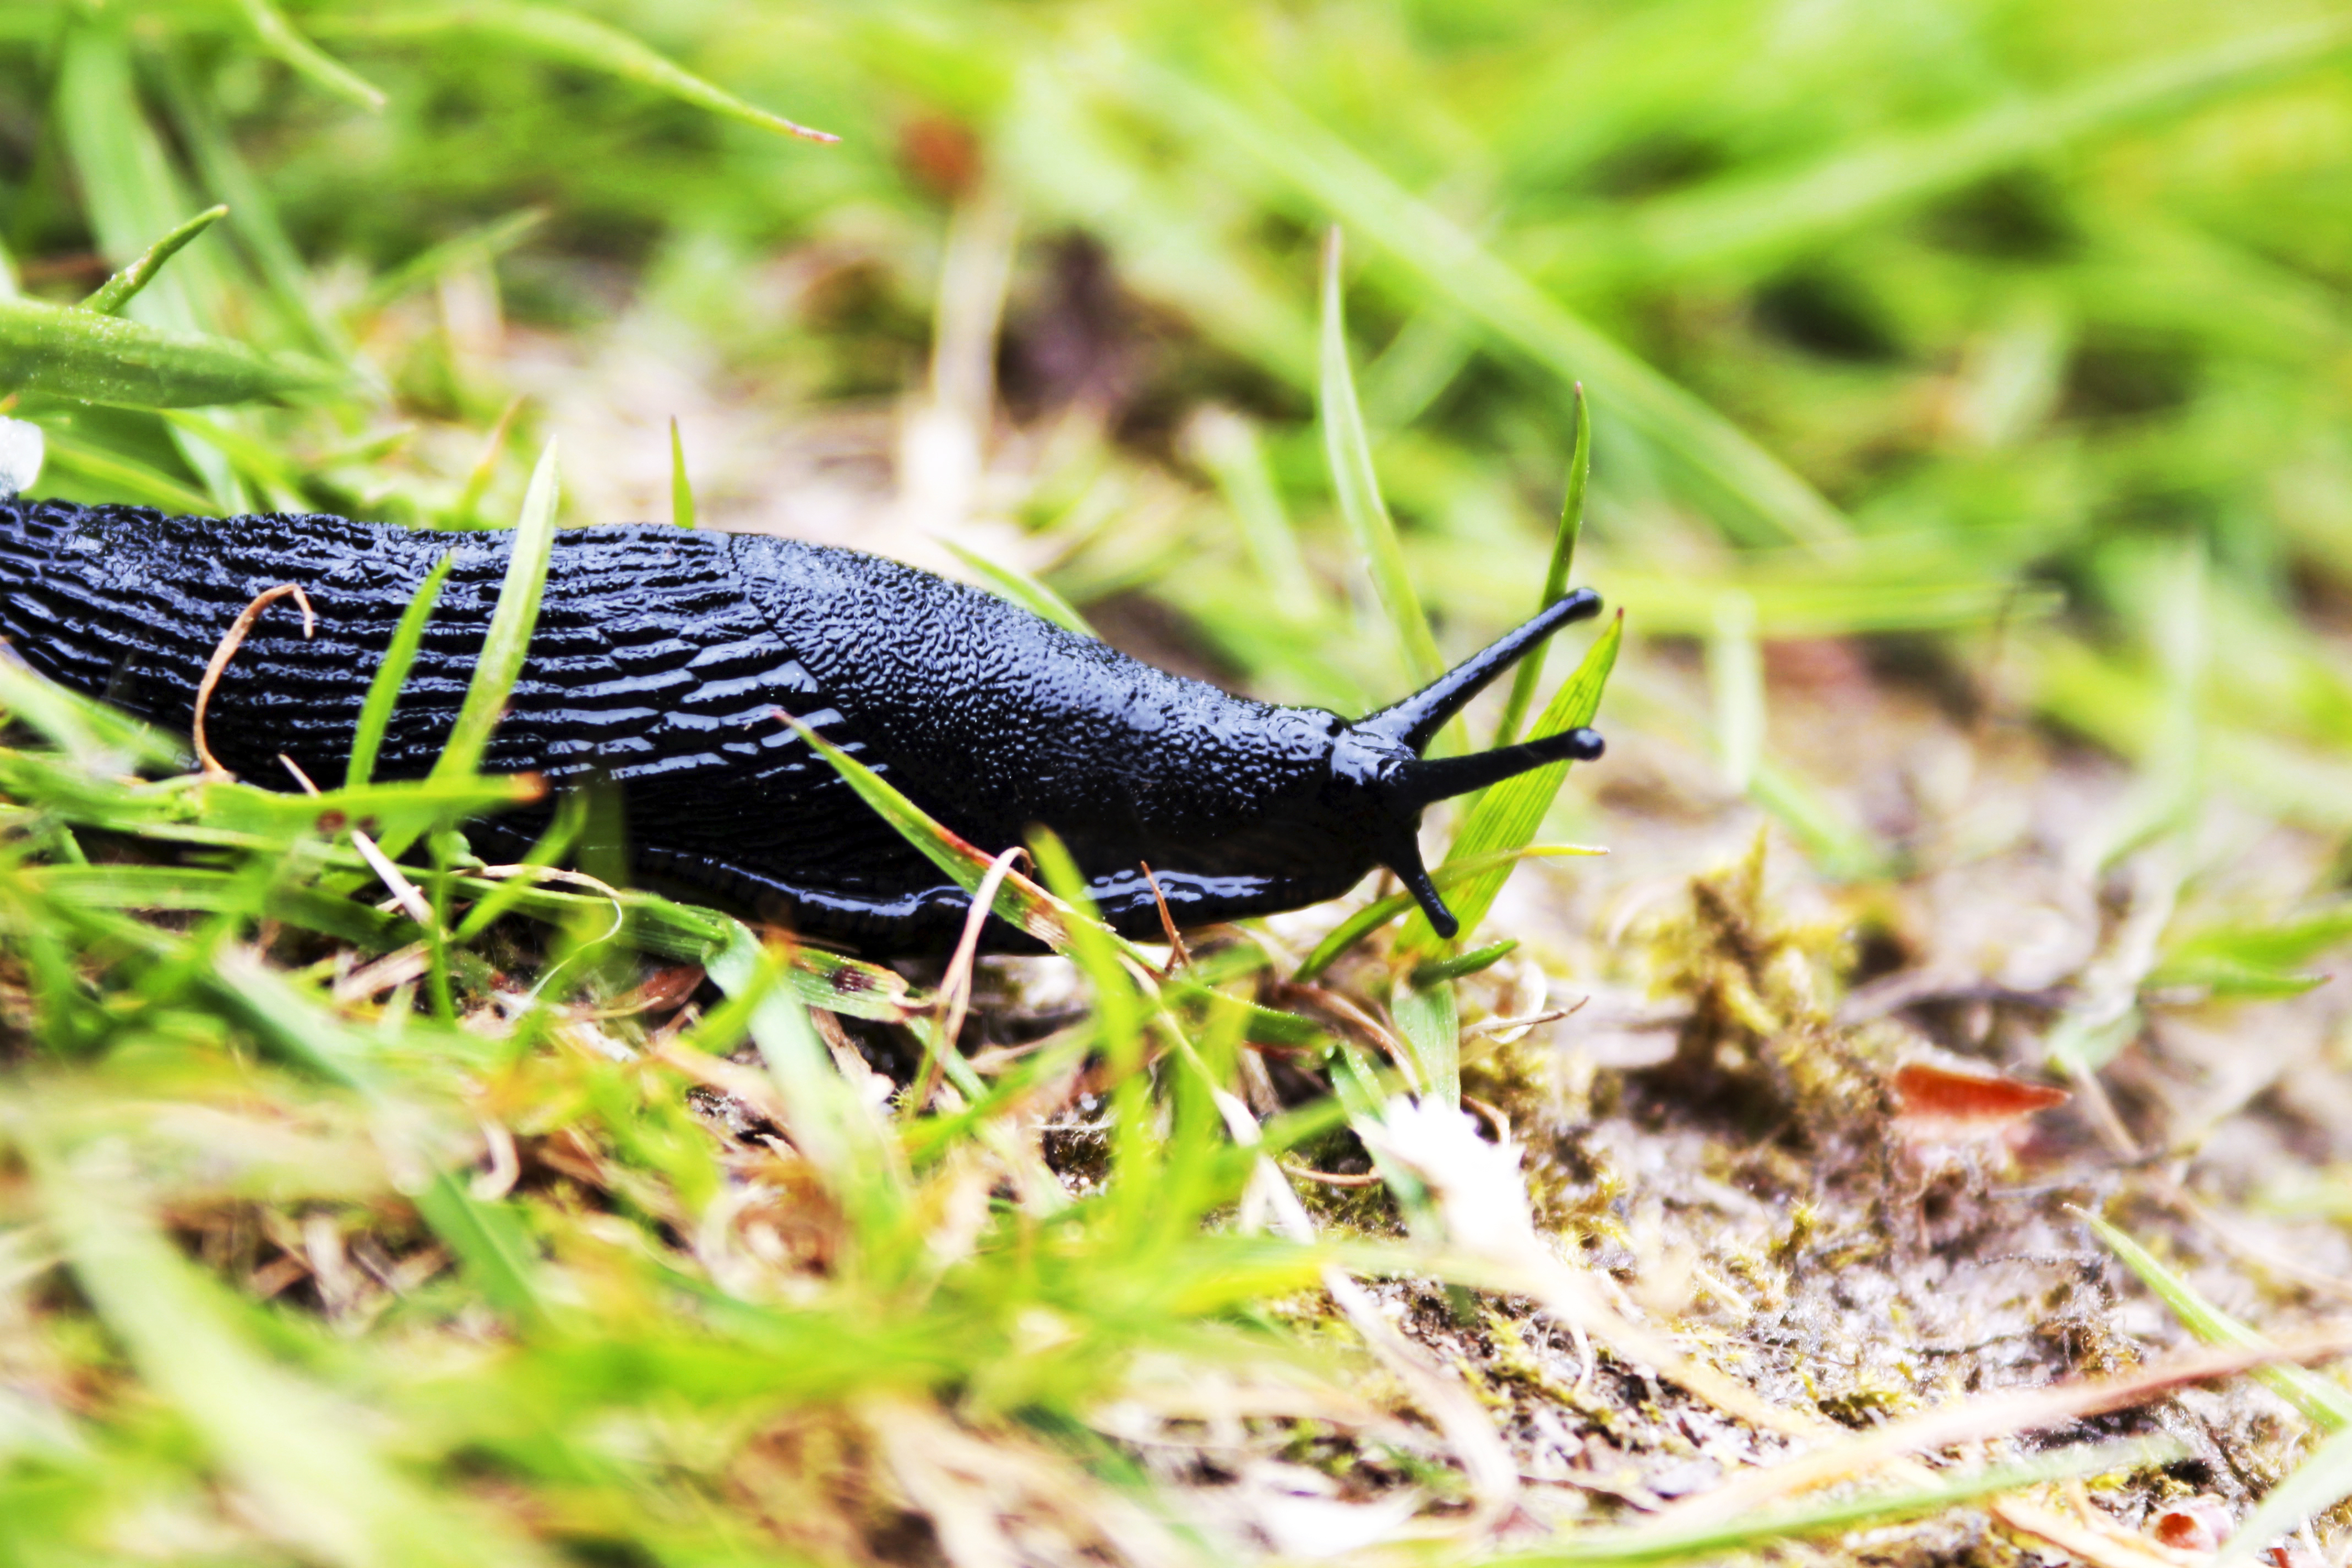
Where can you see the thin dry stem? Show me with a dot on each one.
(231, 640)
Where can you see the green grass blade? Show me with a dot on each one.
(1529, 674)
(131, 193)
(253, 213)
(119, 478)
(291, 1443)
(1227, 445)
(1119, 1008)
(681, 490)
(1464, 964)
(827, 1123)
(399, 658)
(1022, 589)
(474, 247)
(577, 40)
(1841, 848)
(1350, 451)
(1830, 1516)
(101, 741)
(1019, 901)
(278, 36)
(119, 290)
(254, 457)
(2318, 1484)
(1508, 814)
(490, 1244)
(1447, 260)
(2322, 1401)
(1734, 672)
(507, 641)
(182, 887)
(1756, 220)
(64, 353)
(1431, 1022)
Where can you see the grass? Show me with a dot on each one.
(1964, 443)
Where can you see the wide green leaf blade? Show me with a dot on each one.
(64, 352)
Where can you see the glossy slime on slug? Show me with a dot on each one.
(659, 661)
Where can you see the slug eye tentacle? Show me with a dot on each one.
(1420, 782)
(1414, 722)
(1409, 786)
(1406, 864)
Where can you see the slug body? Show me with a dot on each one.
(659, 663)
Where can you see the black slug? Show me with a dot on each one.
(660, 662)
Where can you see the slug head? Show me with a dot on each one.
(1385, 783)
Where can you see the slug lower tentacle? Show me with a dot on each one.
(658, 664)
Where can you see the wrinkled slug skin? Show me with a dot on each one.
(659, 661)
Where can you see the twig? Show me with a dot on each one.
(1177, 957)
(230, 642)
(1996, 1415)
(1347, 1011)
(1498, 1123)
(955, 989)
(1486, 1026)
(1330, 1179)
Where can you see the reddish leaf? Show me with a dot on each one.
(1933, 1100)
